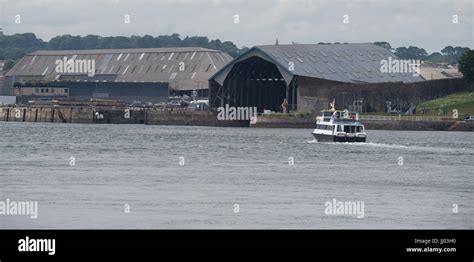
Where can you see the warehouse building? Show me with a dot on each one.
(148, 75)
(308, 76)
(2, 77)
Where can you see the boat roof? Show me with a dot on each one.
(344, 121)
(348, 122)
(329, 110)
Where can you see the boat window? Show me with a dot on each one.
(327, 114)
(339, 128)
(350, 129)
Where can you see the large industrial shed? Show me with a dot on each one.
(121, 73)
(303, 74)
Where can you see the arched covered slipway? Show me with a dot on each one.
(253, 80)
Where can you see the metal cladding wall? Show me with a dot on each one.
(123, 91)
(315, 94)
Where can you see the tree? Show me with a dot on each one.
(90, 42)
(146, 41)
(230, 48)
(447, 51)
(401, 52)
(105, 42)
(436, 57)
(466, 65)
(243, 50)
(120, 42)
(8, 65)
(412, 52)
(385, 45)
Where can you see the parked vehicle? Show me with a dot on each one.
(199, 105)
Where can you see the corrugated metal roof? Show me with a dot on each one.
(348, 63)
(432, 73)
(132, 65)
(126, 51)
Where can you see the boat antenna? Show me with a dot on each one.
(333, 105)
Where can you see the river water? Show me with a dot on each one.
(138, 176)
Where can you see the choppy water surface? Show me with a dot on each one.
(139, 165)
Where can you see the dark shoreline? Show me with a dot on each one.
(207, 118)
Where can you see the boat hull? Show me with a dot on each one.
(331, 138)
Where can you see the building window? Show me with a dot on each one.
(66, 90)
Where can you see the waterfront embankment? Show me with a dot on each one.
(114, 115)
(176, 116)
(415, 123)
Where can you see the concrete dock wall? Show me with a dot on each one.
(114, 116)
(68, 115)
(204, 118)
(419, 125)
(56, 115)
(299, 121)
(309, 121)
(198, 118)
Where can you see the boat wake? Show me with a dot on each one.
(398, 146)
(413, 147)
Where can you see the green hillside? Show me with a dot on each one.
(463, 102)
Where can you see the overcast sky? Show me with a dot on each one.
(428, 24)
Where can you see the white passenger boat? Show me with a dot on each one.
(339, 126)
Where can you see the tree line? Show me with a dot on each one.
(14, 47)
(449, 54)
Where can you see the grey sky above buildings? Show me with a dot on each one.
(428, 24)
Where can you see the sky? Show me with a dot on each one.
(430, 24)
